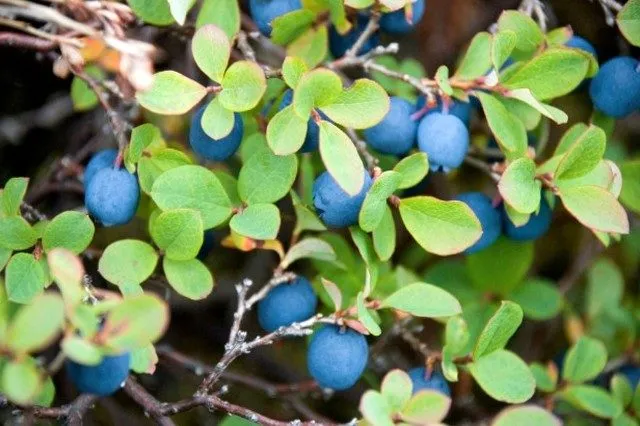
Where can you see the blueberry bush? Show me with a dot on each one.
(455, 247)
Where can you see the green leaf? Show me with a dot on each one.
(243, 85)
(628, 20)
(12, 195)
(279, 171)
(526, 415)
(21, 381)
(364, 104)
(217, 121)
(584, 361)
(539, 299)
(179, 233)
(553, 73)
(384, 236)
(16, 233)
(528, 34)
(500, 267)
(81, 351)
(605, 288)
(171, 93)
(136, 322)
(225, 14)
(365, 317)
(154, 12)
(375, 409)
(477, 59)
(341, 158)
(503, 44)
(440, 227)
(211, 50)
(583, 155)
(290, 26)
(595, 208)
(544, 381)
(144, 360)
(621, 389)
(624, 419)
(179, 9)
(127, 262)
(311, 46)
(82, 95)
(67, 270)
(518, 186)
(426, 407)
(257, 221)
(24, 277)
(413, 169)
(508, 130)
(499, 329)
(193, 187)
(317, 88)
(5, 254)
(593, 400)
(70, 230)
(423, 300)
(142, 137)
(36, 325)
(47, 393)
(396, 389)
(190, 278)
(630, 194)
(375, 202)
(311, 248)
(504, 377)
(150, 168)
(456, 334)
(442, 79)
(525, 96)
(292, 70)
(286, 131)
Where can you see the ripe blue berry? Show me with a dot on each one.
(112, 196)
(615, 90)
(102, 379)
(537, 226)
(396, 22)
(436, 382)
(100, 160)
(287, 303)
(265, 11)
(632, 373)
(578, 42)
(337, 358)
(215, 149)
(488, 216)
(340, 43)
(445, 139)
(396, 133)
(334, 206)
(312, 140)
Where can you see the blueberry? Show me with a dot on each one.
(445, 139)
(100, 160)
(537, 226)
(396, 133)
(396, 22)
(207, 244)
(334, 206)
(337, 358)
(436, 382)
(312, 140)
(214, 149)
(460, 109)
(102, 379)
(488, 216)
(578, 42)
(615, 90)
(340, 43)
(287, 303)
(112, 196)
(632, 373)
(265, 11)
